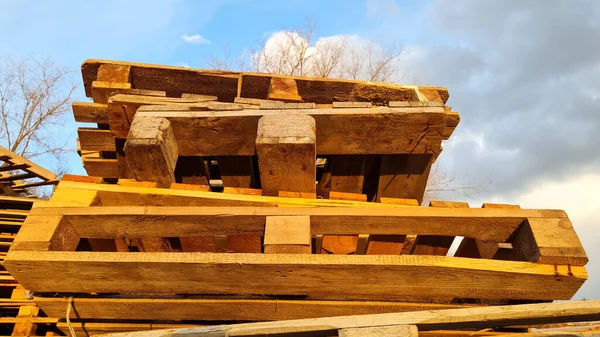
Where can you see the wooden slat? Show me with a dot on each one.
(398, 277)
(372, 131)
(114, 195)
(381, 331)
(287, 235)
(85, 112)
(102, 91)
(39, 171)
(122, 108)
(222, 309)
(470, 318)
(286, 149)
(152, 151)
(224, 84)
(100, 167)
(484, 224)
(96, 140)
(241, 190)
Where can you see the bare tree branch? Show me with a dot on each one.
(34, 96)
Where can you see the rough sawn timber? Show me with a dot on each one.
(228, 85)
(408, 278)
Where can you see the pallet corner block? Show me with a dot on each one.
(152, 151)
(286, 149)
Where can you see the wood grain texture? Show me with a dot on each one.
(224, 84)
(286, 150)
(141, 221)
(552, 241)
(381, 331)
(287, 235)
(114, 195)
(152, 151)
(398, 277)
(101, 167)
(339, 131)
(85, 112)
(222, 309)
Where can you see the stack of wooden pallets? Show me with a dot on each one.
(221, 197)
(20, 315)
(17, 174)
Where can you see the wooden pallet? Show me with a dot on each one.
(412, 324)
(203, 127)
(145, 244)
(17, 174)
(20, 315)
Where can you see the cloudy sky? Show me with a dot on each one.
(524, 75)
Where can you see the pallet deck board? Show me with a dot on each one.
(141, 221)
(399, 277)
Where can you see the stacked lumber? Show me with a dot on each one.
(223, 196)
(156, 255)
(20, 315)
(17, 174)
(248, 130)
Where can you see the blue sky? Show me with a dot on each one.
(524, 75)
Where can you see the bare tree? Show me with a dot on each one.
(441, 181)
(294, 52)
(34, 97)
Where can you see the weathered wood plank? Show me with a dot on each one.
(286, 149)
(39, 171)
(224, 84)
(91, 139)
(100, 167)
(139, 221)
(468, 318)
(85, 112)
(398, 277)
(152, 151)
(114, 195)
(339, 131)
(287, 235)
(222, 309)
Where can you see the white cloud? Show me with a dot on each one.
(195, 39)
